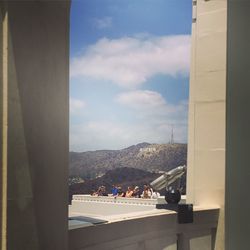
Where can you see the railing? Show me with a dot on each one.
(112, 199)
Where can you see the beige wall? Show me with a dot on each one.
(206, 145)
(36, 69)
(3, 178)
(151, 232)
(237, 216)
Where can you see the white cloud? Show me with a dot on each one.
(151, 103)
(153, 121)
(130, 61)
(103, 23)
(76, 106)
(114, 135)
(96, 135)
(141, 99)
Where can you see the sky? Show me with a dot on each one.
(129, 72)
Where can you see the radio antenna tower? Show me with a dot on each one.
(172, 135)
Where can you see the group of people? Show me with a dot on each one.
(135, 192)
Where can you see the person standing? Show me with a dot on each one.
(114, 190)
(146, 194)
(129, 192)
(136, 192)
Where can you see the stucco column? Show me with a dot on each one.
(237, 216)
(36, 95)
(206, 143)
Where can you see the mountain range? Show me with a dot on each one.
(145, 156)
(133, 166)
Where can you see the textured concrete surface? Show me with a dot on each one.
(237, 215)
(207, 110)
(158, 230)
(37, 138)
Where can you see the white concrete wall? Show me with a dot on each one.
(109, 206)
(36, 71)
(206, 144)
(155, 232)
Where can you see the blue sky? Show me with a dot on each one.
(129, 72)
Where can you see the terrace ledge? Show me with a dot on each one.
(131, 224)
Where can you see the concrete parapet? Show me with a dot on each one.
(158, 230)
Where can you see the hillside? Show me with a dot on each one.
(149, 157)
(123, 177)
